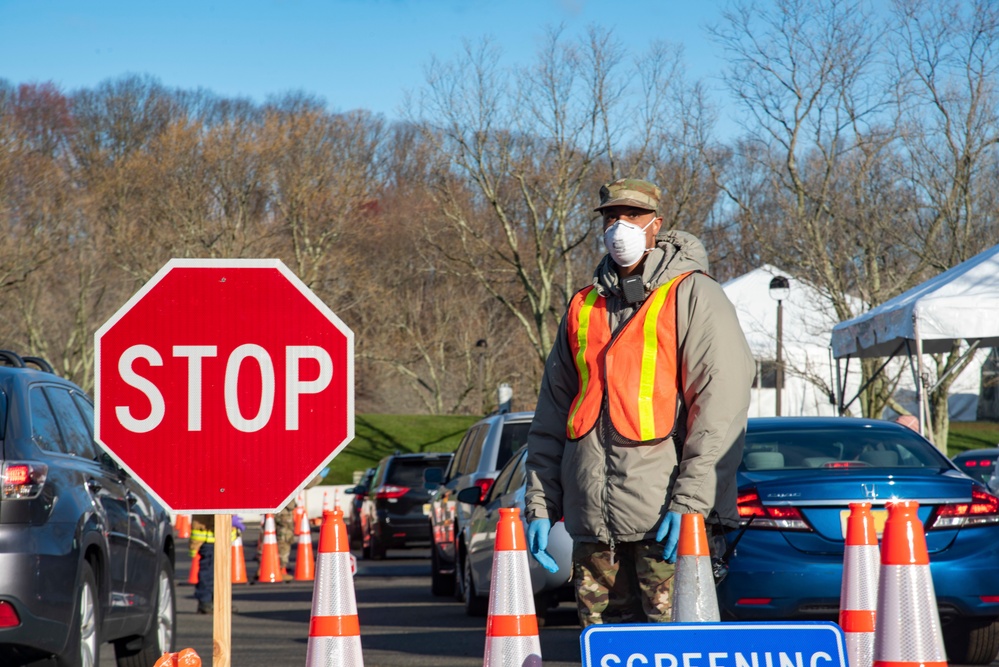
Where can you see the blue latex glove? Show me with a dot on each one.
(669, 530)
(238, 524)
(537, 543)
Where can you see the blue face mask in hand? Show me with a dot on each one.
(537, 543)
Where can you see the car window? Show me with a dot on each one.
(471, 462)
(409, 472)
(977, 466)
(502, 482)
(519, 472)
(76, 435)
(461, 454)
(86, 409)
(44, 430)
(514, 437)
(838, 448)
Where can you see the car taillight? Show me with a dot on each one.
(484, 484)
(22, 479)
(767, 516)
(389, 491)
(8, 616)
(982, 510)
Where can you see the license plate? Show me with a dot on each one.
(880, 516)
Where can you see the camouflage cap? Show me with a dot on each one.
(630, 192)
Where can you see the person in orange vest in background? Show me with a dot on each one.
(203, 543)
(641, 416)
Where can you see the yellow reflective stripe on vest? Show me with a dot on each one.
(203, 536)
(581, 336)
(650, 348)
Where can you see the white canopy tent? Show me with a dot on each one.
(808, 318)
(960, 304)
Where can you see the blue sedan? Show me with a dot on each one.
(797, 478)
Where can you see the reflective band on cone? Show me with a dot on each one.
(512, 626)
(694, 597)
(907, 632)
(334, 631)
(859, 590)
(270, 561)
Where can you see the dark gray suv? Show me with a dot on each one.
(86, 555)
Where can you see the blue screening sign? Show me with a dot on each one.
(758, 644)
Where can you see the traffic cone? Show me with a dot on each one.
(238, 561)
(512, 626)
(858, 595)
(182, 526)
(297, 515)
(188, 657)
(907, 629)
(304, 563)
(270, 562)
(318, 521)
(192, 576)
(334, 633)
(694, 597)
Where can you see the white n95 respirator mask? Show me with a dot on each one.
(626, 242)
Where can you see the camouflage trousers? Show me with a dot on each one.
(630, 584)
(284, 525)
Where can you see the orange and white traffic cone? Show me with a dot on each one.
(318, 521)
(188, 657)
(907, 629)
(182, 526)
(238, 561)
(297, 515)
(270, 561)
(512, 626)
(694, 597)
(334, 633)
(192, 576)
(305, 568)
(858, 597)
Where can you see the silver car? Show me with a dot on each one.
(480, 536)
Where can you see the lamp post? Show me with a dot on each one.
(780, 287)
(480, 350)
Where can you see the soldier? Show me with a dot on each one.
(641, 415)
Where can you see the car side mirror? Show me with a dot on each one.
(472, 495)
(351, 490)
(432, 478)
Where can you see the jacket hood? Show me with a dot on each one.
(676, 252)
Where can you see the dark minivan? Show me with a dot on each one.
(86, 554)
(392, 514)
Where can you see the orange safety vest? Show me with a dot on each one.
(637, 369)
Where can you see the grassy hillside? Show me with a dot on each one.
(971, 435)
(376, 436)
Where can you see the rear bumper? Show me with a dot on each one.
(769, 581)
(42, 590)
(398, 532)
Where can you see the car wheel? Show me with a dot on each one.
(474, 604)
(440, 583)
(144, 651)
(972, 641)
(83, 647)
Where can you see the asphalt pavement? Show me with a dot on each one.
(402, 624)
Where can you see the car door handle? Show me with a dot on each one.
(94, 485)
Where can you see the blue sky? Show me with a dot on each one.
(353, 53)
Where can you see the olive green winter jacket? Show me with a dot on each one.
(616, 491)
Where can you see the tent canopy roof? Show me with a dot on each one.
(961, 303)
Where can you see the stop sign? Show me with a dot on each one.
(224, 386)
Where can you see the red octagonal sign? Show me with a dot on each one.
(224, 386)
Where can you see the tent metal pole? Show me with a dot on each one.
(840, 390)
(971, 350)
(925, 424)
(873, 376)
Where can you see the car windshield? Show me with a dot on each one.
(409, 472)
(801, 448)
